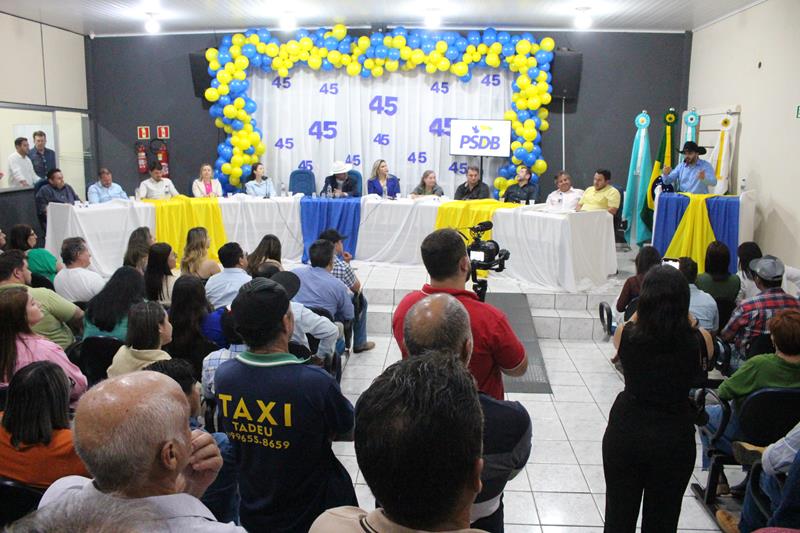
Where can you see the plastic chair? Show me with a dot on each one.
(357, 178)
(302, 180)
(620, 225)
(17, 500)
(759, 345)
(605, 318)
(333, 364)
(97, 354)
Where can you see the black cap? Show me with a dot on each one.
(288, 280)
(332, 235)
(260, 303)
(691, 146)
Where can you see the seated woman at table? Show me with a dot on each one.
(158, 278)
(22, 237)
(268, 249)
(381, 183)
(716, 280)
(524, 191)
(195, 261)
(258, 184)
(206, 186)
(340, 184)
(139, 244)
(427, 186)
(107, 313)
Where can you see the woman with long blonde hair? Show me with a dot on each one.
(195, 261)
(382, 183)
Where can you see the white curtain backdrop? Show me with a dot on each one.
(289, 113)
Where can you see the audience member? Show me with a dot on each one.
(340, 183)
(20, 166)
(525, 191)
(693, 175)
(2, 241)
(157, 187)
(268, 248)
(259, 185)
(222, 496)
(382, 183)
(565, 198)
(158, 277)
(716, 280)
(132, 433)
(222, 288)
(747, 252)
(602, 196)
(107, 313)
(750, 319)
(139, 243)
(701, 305)
(35, 436)
(496, 347)
(198, 328)
(42, 157)
(344, 272)
(22, 237)
(646, 258)
(212, 361)
(427, 186)
(149, 329)
(54, 191)
(104, 189)
(474, 188)
(20, 346)
(648, 446)
(319, 288)
(206, 186)
(439, 323)
(288, 472)
(60, 317)
(195, 260)
(424, 467)
(76, 282)
(102, 515)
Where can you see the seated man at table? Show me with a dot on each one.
(524, 191)
(474, 188)
(693, 175)
(157, 187)
(602, 196)
(340, 184)
(319, 288)
(105, 190)
(565, 198)
(55, 191)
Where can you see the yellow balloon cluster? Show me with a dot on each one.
(501, 184)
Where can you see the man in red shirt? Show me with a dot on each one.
(496, 348)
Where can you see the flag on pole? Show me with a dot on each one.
(638, 178)
(663, 159)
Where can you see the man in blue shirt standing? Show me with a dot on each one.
(43, 158)
(693, 175)
(105, 190)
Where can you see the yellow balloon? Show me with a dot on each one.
(306, 43)
(434, 56)
(229, 111)
(547, 44)
(377, 71)
(529, 134)
(218, 123)
(244, 144)
(346, 59)
(417, 56)
(460, 69)
(515, 145)
(510, 115)
(500, 183)
(528, 145)
(482, 49)
(354, 68)
(211, 94)
(379, 62)
(443, 64)
(224, 77)
(493, 60)
(392, 65)
(363, 42)
(369, 64)
(235, 51)
(539, 167)
(339, 31)
(283, 72)
(236, 161)
(515, 97)
(304, 55)
(524, 47)
(496, 48)
(214, 65)
(441, 47)
(398, 42)
(242, 115)
(518, 131)
(248, 127)
(254, 39)
(387, 41)
(227, 129)
(211, 54)
(515, 160)
(405, 53)
(542, 113)
(516, 124)
(239, 103)
(272, 50)
(241, 62)
(334, 56)
(530, 124)
(315, 62)
(261, 148)
(239, 74)
(293, 48)
(471, 49)
(546, 98)
(236, 173)
(523, 81)
(430, 68)
(261, 48)
(226, 168)
(522, 104)
(534, 103)
(542, 76)
(238, 39)
(544, 126)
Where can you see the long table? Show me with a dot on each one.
(550, 252)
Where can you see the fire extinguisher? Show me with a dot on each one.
(159, 148)
(141, 157)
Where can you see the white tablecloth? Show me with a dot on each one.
(248, 219)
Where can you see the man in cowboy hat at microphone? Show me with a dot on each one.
(693, 175)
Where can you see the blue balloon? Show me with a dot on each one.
(428, 47)
(508, 50)
(467, 77)
(503, 37)
(263, 35)
(237, 124)
(549, 78)
(223, 58)
(524, 115)
(248, 32)
(533, 72)
(545, 67)
(344, 47)
(528, 36)
(550, 57)
(301, 33)
(256, 61)
(400, 30)
(250, 151)
(520, 153)
(515, 39)
(226, 120)
(534, 178)
(266, 63)
(495, 194)
(224, 100)
(215, 110)
(219, 162)
(537, 121)
(331, 43)
(235, 87)
(381, 51)
(327, 65)
(394, 54)
(541, 57)
(449, 38)
(365, 73)
(250, 106)
(529, 159)
(221, 149)
(482, 62)
(452, 54)
(503, 172)
(246, 171)
(212, 72)
(474, 38)
(413, 42)
(227, 40)
(376, 39)
(489, 36)
(369, 52)
(249, 50)
(461, 44)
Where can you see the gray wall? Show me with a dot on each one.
(146, 81)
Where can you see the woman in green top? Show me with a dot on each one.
(716, 280)
(427, 186)
(40, 261)
(107, 313)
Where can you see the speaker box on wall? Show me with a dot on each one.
(566, 68)
(200, 77)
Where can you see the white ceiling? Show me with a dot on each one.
(127, 17)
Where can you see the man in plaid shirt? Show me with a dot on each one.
(343, 271)
(749, 320)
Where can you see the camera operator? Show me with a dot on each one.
(496, 347)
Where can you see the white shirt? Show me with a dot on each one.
(156, 190)
(319, 327)
(78, 284)
(21, 169)
(563, 202)
(222, 288)
(199, 188)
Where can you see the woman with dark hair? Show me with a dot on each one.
(139, 244)
(35, 437)
(268, 248)
(195, 261)
(158, 277)
(107, 313)
(649, 445)
(19, 346)
(647, 258)
(22, 237)
(258, 184)
(747, 251)
(198, 327)
(427, 186)
(716, 280)
(149, 329)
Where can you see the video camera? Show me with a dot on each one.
(484, 255)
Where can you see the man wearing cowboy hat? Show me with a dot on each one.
(340, 183)
(693, 175)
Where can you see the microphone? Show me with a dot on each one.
(482, 226)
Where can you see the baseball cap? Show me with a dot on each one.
(288, 280)
(260, 303)
(769, 268)
(332, 235)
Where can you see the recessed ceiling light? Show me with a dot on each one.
(152, 25)
(582, 20)
(433, 19)
(288, 22)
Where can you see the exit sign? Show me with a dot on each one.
(143, 132)
(162, 132)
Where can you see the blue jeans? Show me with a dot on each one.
(360, 324)
(725, 442)
(752, 518)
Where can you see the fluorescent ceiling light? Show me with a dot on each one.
(582, 20)
(433, 19)
(288, 23)
(152, 25)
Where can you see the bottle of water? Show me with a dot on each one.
(328, 192)
(384, 192)
(283, 189)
